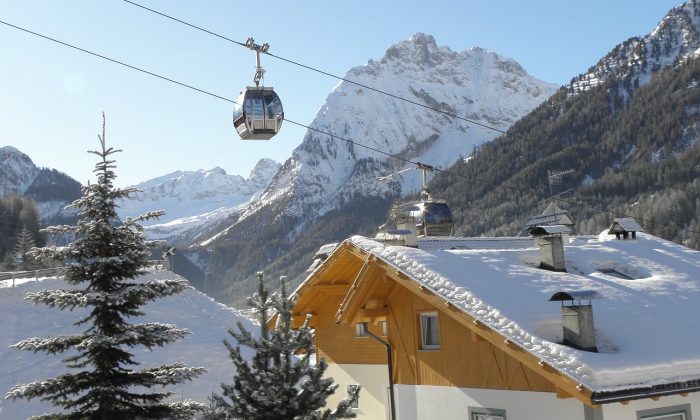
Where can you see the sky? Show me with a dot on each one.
(53, 97)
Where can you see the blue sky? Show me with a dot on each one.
(53, 96)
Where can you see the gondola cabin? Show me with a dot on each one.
(431, 217)
(258, 114)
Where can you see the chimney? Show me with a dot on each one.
(577, 319)
(549, 239)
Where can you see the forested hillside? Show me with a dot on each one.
(19, 230)
(634, 151)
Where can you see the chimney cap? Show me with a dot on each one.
(575, 295)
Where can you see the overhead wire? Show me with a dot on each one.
(394, 96)
(333, 136)
(296, 63)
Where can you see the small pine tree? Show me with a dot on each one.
(105, 257)
(276, 385)
(24, 244)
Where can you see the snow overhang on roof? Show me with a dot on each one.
(504, 290)
(626, 224)
(549, 230)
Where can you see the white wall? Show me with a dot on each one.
(616, 411)
(446, 403)
(374, 395)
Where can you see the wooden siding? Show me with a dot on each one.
(370, 290)
(463, 360)
(338, 344)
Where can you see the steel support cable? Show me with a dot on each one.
(333, 136)
(325, 73)
(296, 63)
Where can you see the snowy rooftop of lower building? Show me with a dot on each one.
(647, 321)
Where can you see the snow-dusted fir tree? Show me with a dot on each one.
(280, 382)
(103, 261)
(24, 244)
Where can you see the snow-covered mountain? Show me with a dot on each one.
(49, 188)
(192, 199)
(478, 85)
(675, 39)
(207, 320)
(330, 186)
(17, 171)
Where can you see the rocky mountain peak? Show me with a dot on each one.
(17, 171)
(635, 61)
(419, 49)
(263, 172)
(324, 173)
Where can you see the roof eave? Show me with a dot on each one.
(603, 397)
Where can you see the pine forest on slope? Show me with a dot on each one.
(631, 138)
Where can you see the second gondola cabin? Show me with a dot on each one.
(258, 113)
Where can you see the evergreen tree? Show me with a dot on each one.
(105, 258)
(276, 385)
(24, 244)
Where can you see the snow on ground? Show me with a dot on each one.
(648, 324)
(206, 319)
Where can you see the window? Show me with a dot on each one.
(354, 396)
(385, 331)
(678, 412)
(479, 413)
(361, 329)
(429, 331)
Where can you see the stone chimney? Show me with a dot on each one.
(549, 239)
(577, 319)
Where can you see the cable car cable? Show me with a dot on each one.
(333, 136)
(187, 23)
(505, 132)
(449, 114)
(342, 78)
(114, 61)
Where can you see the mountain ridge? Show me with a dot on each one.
(325, 177)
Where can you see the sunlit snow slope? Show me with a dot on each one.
(207, 320)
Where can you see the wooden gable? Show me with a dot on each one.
(353, 286)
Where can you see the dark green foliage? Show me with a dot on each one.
(276, 385)
(52, 185)
(25, 243)
(105, 258)
(16, 215)
(634, 151)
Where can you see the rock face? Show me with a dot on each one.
(329, 187)
(49, 188)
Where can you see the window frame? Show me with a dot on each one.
(487, 412)
(361, 329)
(424, 345)
(385, 328)
(659, 413)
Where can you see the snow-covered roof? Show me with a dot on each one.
(552, 215)
(647, 322)
(627, 224)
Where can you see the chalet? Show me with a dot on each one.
(479, 328)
